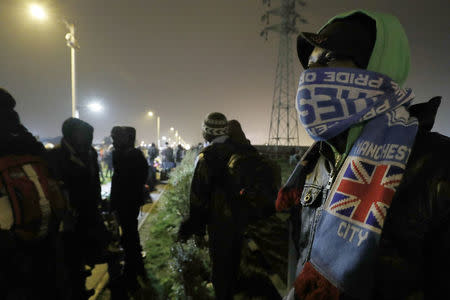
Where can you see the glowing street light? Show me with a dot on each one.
(95, 107)
(172, 129)
(150, 114)
(38, 12)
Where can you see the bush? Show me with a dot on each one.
(181, 269)
(178, 268)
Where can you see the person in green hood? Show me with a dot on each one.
(370, 200)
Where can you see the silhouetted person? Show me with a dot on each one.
(74, 162)
(168, 159)
(179, 154)
(108, 162)
(127, 196)
(153, 153)
(27, 245)
(211, 202)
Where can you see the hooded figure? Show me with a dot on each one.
(363, 197)
(127, 196)
(74, 163)
(15, 138)
(28, 228)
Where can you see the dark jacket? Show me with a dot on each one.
(167, 155)
(209, 195)
(415, 240)
(180, 153)
(130, 175)
(80, 177)
(211, 208)
(153, 152)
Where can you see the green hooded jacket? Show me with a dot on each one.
(390, 55)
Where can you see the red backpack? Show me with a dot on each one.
(28, 197)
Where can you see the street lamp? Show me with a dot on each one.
(38, 12)
(95, 107)
(151, 114)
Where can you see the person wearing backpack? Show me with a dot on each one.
(127, 196)
(217, 204)
(31, 210)
(370, 199)
(85, 237)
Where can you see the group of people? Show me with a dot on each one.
(51, 223)
(369, 201)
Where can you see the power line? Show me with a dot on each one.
(284, 120)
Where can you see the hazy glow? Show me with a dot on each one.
(163, 138)
(150, 114)
(49, 146)
(38, 12)
(95, 107)
(172, 129)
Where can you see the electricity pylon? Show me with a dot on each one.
(284, 120)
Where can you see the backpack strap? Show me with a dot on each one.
(10, 161)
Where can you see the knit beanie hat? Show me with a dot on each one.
(214, 125)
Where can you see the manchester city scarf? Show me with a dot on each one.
(348, 231)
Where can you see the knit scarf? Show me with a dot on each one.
(349, 227)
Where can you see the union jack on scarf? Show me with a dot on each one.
(348, 231)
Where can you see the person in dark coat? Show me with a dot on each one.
(28, 268)
(168, 159)
(211, 203)
(127, 196)
(153, 153)
(74, 162)
(179, 153)
(107, 158)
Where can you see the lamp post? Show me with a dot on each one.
(151, 114)
(73, 45)
(38, 12)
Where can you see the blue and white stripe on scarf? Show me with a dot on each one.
(348, 231)
(330, 100)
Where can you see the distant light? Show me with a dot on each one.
(95, 107)
(172, 129)
(150, 114)
(49, 146)
(163, 138)
(38, 12)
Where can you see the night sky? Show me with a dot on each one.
(183, 59)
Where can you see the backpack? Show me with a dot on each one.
(28, 197)
(254, 181)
